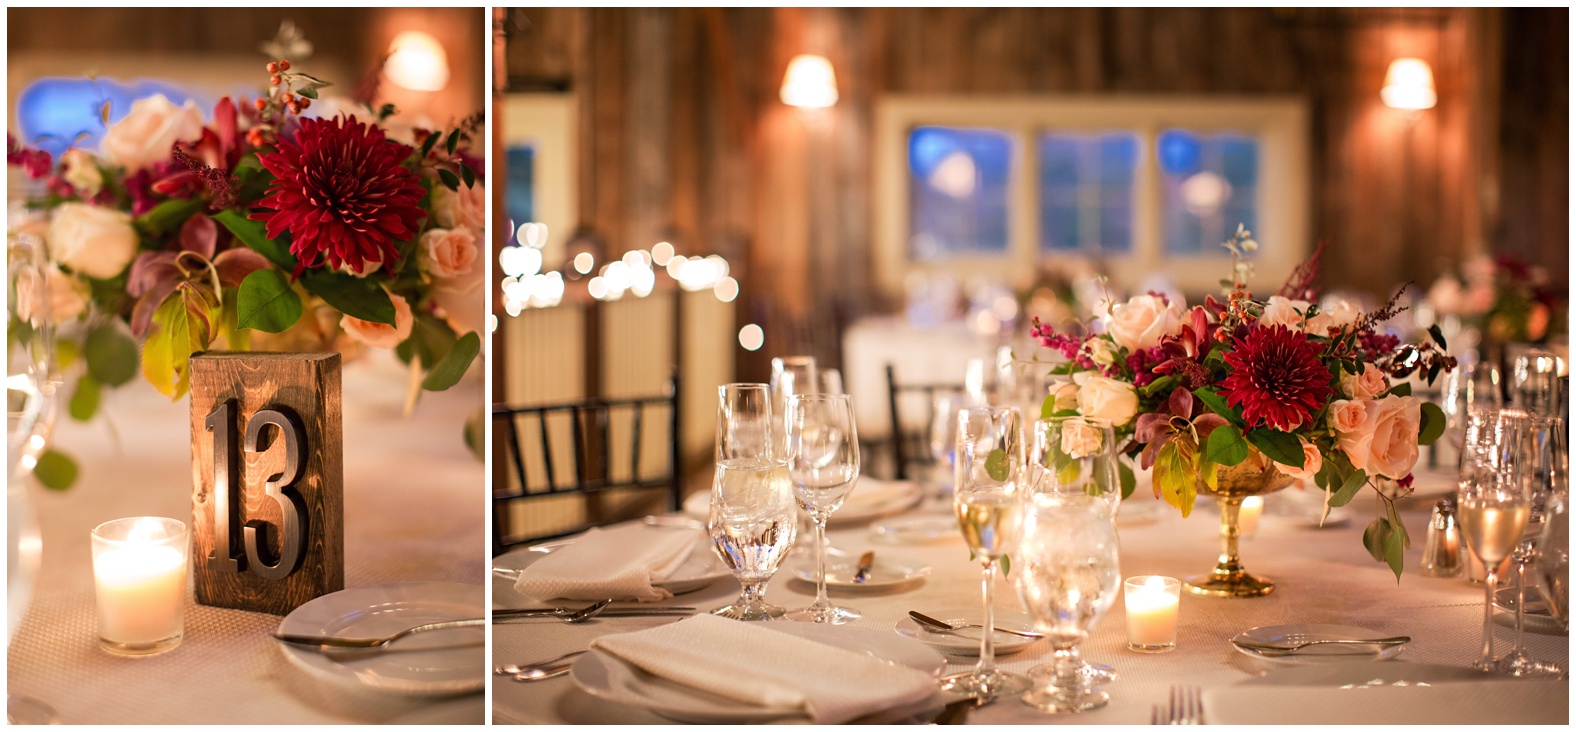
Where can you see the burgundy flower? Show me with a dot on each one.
(1276, 375)
(1185, 352)
(343, 193)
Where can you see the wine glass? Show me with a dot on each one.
(753, 519)
(1067, 578)
(1494, 500)
(1535, 382)
(823, 462)
(943, 434)
(986, 500)
(793, 375)
(1469, 388)
(1552, 564)
(1550, 467)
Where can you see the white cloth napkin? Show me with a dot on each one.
(767, 668)
(876, 492)
(1498, 701)
(619, 563)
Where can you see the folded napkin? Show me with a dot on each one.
(767, 668)
(618, 563)
(1497, 701)
(876, 492)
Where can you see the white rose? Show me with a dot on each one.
(381, 335)
(1065, 394)
(448, 253)
(93, 241)
(145, 135)
(461, 301)
(1104, 398)
(82, 172)
(67, 296)
(1101, 351)
(1080, 439)
(1142, 321)
(465, 207)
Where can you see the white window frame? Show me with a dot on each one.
(547, 121)
(1279, 123)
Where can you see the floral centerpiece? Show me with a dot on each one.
(274, 224)
(1505, 299)
(1312, 393)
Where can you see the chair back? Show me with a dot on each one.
(910, 434)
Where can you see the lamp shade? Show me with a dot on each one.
(1409, 85)
(417, 62)
(810, 82)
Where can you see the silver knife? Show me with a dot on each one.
(866, 561)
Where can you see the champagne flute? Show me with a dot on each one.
(793, 375)
(1553, 561)
(1469, 388)
(823, 462)
(1068, 579)
(753, 518)
(1535, 382)
(986, 501)
(1545, 451)
(1494, 501)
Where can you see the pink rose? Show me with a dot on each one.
(1348, 415)
(1311, 462)
(64, 296)
(381, 335)
(145, 135)
(1393, 450)
(466, 207)
(1065, 394)
(1104, 398)
(1142, 321)
(449, 252)
(1286, 311)
(461, 301)
(1079, 438)
(1366, 385)
(1342, 314)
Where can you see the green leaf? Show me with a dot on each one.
(1006, 565)
(1433, 424)
(1282, 447)
(85, 400)
(1048, 407)
(308, 92)
(1176, 475)
(474, 435)
(454, 141)
(182, 325)
(1439, 336)
(1129, 481)
(1162, 384)
(468, 174)
(1395, 549)
(1402, 389)
(55, 470)
(1226, 446)
(266, 302)
(168, 216)
(255, 236)
(1349, 489)
(432, 139)
(1218, 405)
(354, 296)
(448, 371)
(1375, 538)
(450, 180)
(111, 353)
(430, 340)
(996, 464)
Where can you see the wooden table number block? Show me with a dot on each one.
(267, 479)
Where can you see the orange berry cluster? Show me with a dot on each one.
(288, 101)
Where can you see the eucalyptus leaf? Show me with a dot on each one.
(996, 464)
(449, 370)
(1375, 538)
(85, 400)
(1395, 551)
(1349, 488)
(55, 470)
(111, 353)
(267, 303)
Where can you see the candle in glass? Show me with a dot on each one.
(1248, 515)
(1152, 604)
(139, 573)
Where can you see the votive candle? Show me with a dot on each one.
(1152, 607)
(1248, 515)
(139, 575)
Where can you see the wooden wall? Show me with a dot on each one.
(684, 137)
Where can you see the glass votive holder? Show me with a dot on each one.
(1152, 603)
(139, 579)
(1248, 516)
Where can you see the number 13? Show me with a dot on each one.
(280, 487)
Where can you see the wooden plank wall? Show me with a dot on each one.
(685, 138)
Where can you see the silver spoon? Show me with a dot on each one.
(941, 626)
(510, 669)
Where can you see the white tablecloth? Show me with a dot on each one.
(1322, 576)
(414, 510)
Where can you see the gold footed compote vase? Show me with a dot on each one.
(1233, 484)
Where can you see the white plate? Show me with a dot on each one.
(1345, 675)
(435, 662)
(879, 499)
(468, 709)
(1394, 692)
(607, 677)
(966, 642)
(1326, 653)
(916, 530)
(698, 571)
(1536, 619)
(885, 572)
(1304, 508)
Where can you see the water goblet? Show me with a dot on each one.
(823, 463)
(1469, 388)
(1494, 500)
(1067, 577)
(986, 501)
(753, 518)
(1535, 382)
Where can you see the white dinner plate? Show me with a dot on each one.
(1350, 676)
(1326, 653)
(468, 709)
(1394, 692)
(608, 677)
(966, 642)
(435, 662)
(1536, 618)
(870, 499)
(916, 530)
(886, 572)
(701, 568)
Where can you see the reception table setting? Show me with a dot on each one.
(1051, 568)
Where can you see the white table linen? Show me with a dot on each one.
(619, 562)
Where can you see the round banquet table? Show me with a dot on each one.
(1323, 575)
(414, 511)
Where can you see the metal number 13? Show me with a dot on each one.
(248, 554)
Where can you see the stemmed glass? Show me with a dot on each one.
(943, 434)
(1494, 500)
(1550, 462)
(1067, 578)
(753, 517)
(987, 501)
(1470, 388)
(1535, 382)
(823, 461)
(793, 375)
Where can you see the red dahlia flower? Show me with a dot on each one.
(341, 191)
(1276, 375)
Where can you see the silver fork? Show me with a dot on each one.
(1187, 705)
(328, 641)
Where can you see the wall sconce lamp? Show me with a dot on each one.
(1409, 85)
(810, 82)
(417, 62)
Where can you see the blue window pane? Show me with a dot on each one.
(1209, 185)
(55, 114)
(957, 192)
(519, 193)
(1086, 192)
